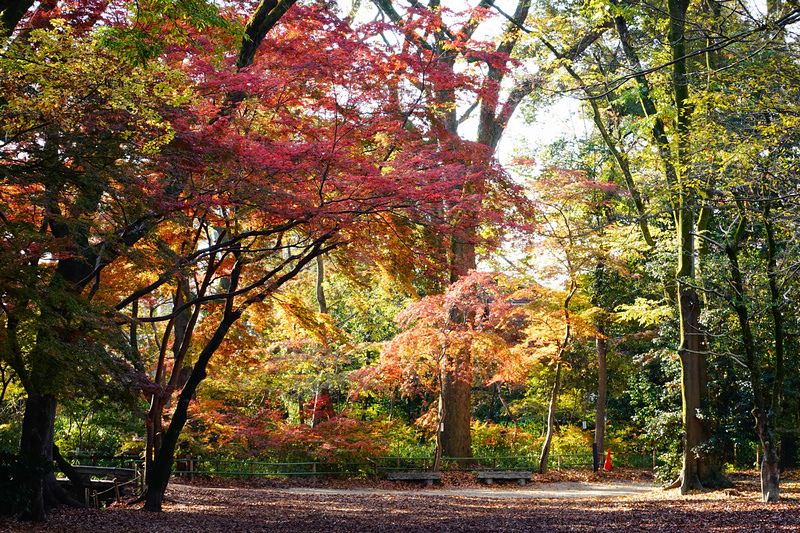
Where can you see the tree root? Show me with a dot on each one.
(674, 485)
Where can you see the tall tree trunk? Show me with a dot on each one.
(36, 442)
(602, 383)
(165, 455)
(695, 431)
(493, 118)
(562, 349)
(765, 421)
(551, 421)
(456, 437)
(770, 469)
(697, 465)
(456, 398)
(770, 472)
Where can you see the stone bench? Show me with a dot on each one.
(490, 477)
(427, 477)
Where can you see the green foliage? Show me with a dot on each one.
(12, 405)
(157, 24)
(494, 440)
(572, 440)
(104, 426)
(654, 394)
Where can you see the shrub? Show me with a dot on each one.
(18, 475)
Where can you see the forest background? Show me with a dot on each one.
(281, 231)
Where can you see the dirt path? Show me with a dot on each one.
(565, 489)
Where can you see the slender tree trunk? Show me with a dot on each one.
(165, 456)
(770, 467)
(437, 452)
(562, 349)
(492, 400)
(320, 289)
(765, 423)
(602, 382)
(508, 410)
(770, 471)
(551, 421)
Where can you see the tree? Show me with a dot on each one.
(668, 118)
(342, 172)
(81, 128)
(568, 241)
(451, 53)
(474, 316)
(752, 151)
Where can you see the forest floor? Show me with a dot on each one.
(367, 506)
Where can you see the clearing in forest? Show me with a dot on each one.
(330, 507)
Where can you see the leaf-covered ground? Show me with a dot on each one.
(235, 507)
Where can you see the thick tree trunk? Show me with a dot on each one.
(36, 442)
(695, 431)
(457, 399)
(456, 436)
(770, 475)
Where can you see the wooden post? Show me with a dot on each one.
(758, 455)
(116, 491)
(190, 464)
(654, 458)
(559, 463)
(86, 499)
(96, 501)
